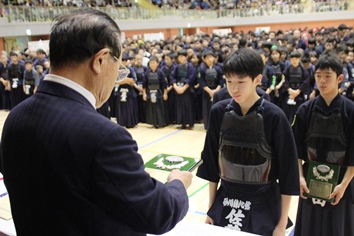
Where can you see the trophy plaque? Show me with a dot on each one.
(321, 180)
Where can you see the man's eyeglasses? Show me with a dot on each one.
(123, 71)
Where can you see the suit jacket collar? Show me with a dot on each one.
(60, 90)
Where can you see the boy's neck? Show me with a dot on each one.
(329, 98)
(246, 105)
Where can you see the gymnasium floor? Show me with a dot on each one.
(174, 141)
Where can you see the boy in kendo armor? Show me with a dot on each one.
(250, 149)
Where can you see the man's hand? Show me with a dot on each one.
(184, 176)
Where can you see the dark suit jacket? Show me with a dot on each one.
(223, 94)
(71, 171)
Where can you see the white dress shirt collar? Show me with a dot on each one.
(71, 84)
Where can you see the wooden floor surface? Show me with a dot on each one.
(174, 141)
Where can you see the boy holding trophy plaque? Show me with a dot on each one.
(324, 134)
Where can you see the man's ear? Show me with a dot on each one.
(98, 60)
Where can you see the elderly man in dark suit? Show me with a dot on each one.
(70, 170)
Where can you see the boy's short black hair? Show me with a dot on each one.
(182, 52)
(41, 51)
(330, 61)
(28, 61)
(311, 41)
(207, 53)
(342, 27)
(331, 39)
(266, 44)
(12, 53)
(295, 53)
(262, 52)
(313, 54)
(125, 57)
(243, 62)
(154, 58)
(306, 58)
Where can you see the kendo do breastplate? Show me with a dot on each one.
(182, 74)
(244, 154)
(277, 72)
(210, 77)
(29, 78)
(139, 74)
(295, 77)
(153, 81)
(326, 139)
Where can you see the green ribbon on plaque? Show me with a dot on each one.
(321, 179)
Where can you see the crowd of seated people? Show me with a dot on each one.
(285, 6)
(282, 6)
(69, 3)
(42, 10)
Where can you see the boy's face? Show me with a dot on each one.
(295, 61)
(39, 70)
(327, 81)
(283, 56)
(182, 59)
(139, 60)
(313, 59)
(3, 59)
(342, 55)
(168, 61)
(29, 66)
(275, 56)
(209, 60)
(132, 61)
(351, 56)
(216, 46)
(194, 59)
(153, 65)
(190, 52)
(329, 46)
(319, 37)
(14, 59)
(306, 64)
(241, 89)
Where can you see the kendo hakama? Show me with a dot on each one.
(126, 106)
(329, 131)
(155, 114)
(170, 104)
(140, 72)
(17, 95)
